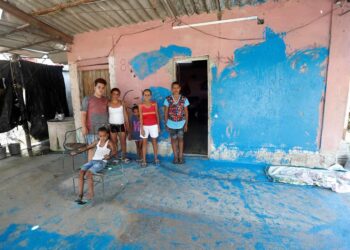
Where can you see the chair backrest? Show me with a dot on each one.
(74, 136)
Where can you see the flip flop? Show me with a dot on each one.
(175, 161)
(156, 162)
(143, 164)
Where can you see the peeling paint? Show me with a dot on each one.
(148, 63)
(270, 103)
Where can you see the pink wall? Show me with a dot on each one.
(281, 16)
(338, 80)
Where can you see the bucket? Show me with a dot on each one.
(14, 148)
(2, 152)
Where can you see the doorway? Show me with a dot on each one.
(193, 78)
(87, 79)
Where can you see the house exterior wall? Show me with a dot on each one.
(267, 82)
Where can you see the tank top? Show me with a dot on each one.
(116, 115)
(101, 151)
(149, 114)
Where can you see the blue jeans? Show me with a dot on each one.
(94, 166)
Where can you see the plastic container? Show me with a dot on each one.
(14, 148)
(2, 152)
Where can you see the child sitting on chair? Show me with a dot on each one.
(104, 150)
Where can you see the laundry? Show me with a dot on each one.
(335, 177)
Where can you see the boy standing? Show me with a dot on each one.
(94, 112)
(176, 120)
(104, 150)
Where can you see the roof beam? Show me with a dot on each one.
(61, 6)
(57, 34)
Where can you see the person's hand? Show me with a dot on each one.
(84, 130)
(106, 157)
(158, 129)
(167, 128)
(129, 137)
(142, 132)
(185, 128)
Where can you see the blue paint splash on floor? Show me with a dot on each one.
(148, 63)
(268, 99)
(22, 237)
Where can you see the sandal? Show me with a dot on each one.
(143, 164)
(181, 161)
(176, 161)
(156, 162)
(125, 160)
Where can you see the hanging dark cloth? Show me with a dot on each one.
(10, 114)
(45, 94)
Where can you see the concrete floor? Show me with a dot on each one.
(201, 205)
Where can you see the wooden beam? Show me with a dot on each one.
(61, 6)
(57, 34)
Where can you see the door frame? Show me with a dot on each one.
(209, 80)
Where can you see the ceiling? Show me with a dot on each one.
(34, 28)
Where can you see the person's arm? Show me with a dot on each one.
(113, 152)
(187, 103)
(83, 149)
(186, 117)
(166, 115)
(157, 115)
(84, 108)
(126, 118)
(141, 120)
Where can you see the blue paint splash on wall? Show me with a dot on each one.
(148, 63)
(267, 99)
(158, 95)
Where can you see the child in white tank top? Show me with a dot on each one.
(104, 150)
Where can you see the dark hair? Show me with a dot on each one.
(175, 83)
(103, 129)
(115, 89)
(100, 80)
(135, 107)
(146, 90)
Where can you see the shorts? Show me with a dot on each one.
(117, 128)
(176, 133)
(151, 130)
(94, 166)
(90, 138)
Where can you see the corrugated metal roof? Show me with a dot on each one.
(78, 16)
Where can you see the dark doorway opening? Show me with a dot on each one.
(193, 77)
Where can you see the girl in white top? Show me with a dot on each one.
(105, 149)
(118, 121)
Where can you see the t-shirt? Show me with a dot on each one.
(135, 133)
(173, 124)
(96, 112)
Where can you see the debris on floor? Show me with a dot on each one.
(335, 177)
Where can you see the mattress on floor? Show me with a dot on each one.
(335, 178)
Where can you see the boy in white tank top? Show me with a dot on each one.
(104, 150)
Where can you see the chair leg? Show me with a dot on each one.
(74, 184)
(63, 160)
(103, 187)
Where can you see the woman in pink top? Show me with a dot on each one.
(149, 122)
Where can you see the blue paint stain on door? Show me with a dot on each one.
(268, 99)
(147, 63)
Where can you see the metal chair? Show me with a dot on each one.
(73, 141)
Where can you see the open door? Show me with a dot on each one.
(193, 78)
